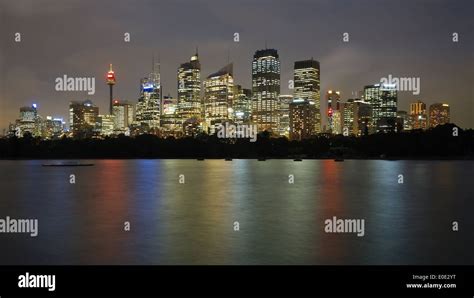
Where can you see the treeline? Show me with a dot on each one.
(438, 143)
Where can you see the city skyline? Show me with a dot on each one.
(344, 66)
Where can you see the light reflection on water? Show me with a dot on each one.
(280, 223)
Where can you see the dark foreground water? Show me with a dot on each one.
(280, 223)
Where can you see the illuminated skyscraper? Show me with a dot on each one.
(265, 90)
(302, 119)
(189, 91)
(350, 119)
(106, 124)
(124, 116)
(334, 103)
(148, 107)
(439, 114)
(242, 106)
(418, 115)
(284, 123)
(83, 119)
(383, 101)
(170, 124)
(307, 85)
(28, 122)
(219, 97)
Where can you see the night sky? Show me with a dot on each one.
(409, 38)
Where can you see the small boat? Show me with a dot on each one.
(261, 159)
(339, 159)
(228, 159)
(297, 159)
(67, 165)
(200, 159)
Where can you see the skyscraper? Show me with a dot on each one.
(418, 115)
(219, 97)
(148, 107)
(307, 85)
(242, 106)
(439, 114)
(302, 119)
(266, 89)
(189, 91)
(170, 124)
(383, 100)
(83, 118)
(123, 116)
(334, 103)
(284, 124)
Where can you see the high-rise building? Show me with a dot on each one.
(219, 97)
(418, 115)
(334, 104)
(302, 119)
(284, 124)
(123, 112)
(265, 90)
(383, 101)
(170, 124)
(53, 128)
(349, 120)
(83, 118)
(28, 122)
(242, 106)
(307, 85)
(106, 125)
(148, 107)
(404, 120)
(189, 92)
(439, 114)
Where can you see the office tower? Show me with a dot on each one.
(111, 82)
(123, 112)
(404, 121)
(363, 114)
(439, 114)
(337, 122)
(302, 119)
(218, 98)
(53, 128)
(333, 101)
(83, 118)
(242, 106)
(148, 107)
(418, 115)
(28, 122)
(383, 100)
(284, 123)
(106, 125)
(189, 93)
(349, 117)
(265, 90)
(307, 85)
(170, 124)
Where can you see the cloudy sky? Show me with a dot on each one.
(404, 38)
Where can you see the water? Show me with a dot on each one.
(280, 223)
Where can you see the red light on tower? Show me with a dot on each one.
(111, 76)
(330, 112)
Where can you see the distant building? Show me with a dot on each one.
(189, 93)
(28, 122)
(302, 119)
(383, 101)
(123, 113)
(148, 107)
(53, 128)
(106, 125)
(170, 121)
(439, 114)
(284, 123)
(404, 119)
(418, 115)
(242, 107)
(83, 119)
(333, 104)
(218, 98)
(266, 90)
(349, 117)
(307, 85)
